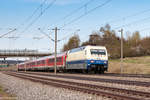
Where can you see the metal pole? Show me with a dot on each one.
(25, 66)
(55, 70)
(25, 63)
(17, 65)
(121, 67)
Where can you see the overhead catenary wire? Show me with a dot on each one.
(132, 23)
(41, 31)
(7, 33)
(147, 28)
(6, 28)
(64, 38)
(12, 37)
(38, 38)
(129, 16)
(34, 12)
(43, 11)
(30, 17)
(76, 10)
(89, 11)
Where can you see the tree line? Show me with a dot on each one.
(133, 46)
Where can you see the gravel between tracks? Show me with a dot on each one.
(111, 77)
(27, 90)
(103, 76)
(130, 87)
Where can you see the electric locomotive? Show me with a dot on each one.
(85, 59)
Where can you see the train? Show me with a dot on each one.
(85, 59)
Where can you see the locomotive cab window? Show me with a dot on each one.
(98, 52)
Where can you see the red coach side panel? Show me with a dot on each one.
(61, 60)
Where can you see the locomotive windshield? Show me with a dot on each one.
(98, 51)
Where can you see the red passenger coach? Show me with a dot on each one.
(45, 63)
(61, 60)
(21, 66)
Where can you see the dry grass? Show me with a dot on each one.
(133, 65)
(6, 96)
(11, 68)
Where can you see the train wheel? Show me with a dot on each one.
(101, 70)
(87, 71)
(95, 69)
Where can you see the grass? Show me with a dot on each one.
(131, 65)
(5, 96)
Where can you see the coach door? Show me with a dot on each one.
(64, 62)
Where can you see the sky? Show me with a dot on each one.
(131, 15)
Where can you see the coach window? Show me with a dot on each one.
(51, 60)
(59, 59)
(33, 63)
(38, 62)
(43, 62)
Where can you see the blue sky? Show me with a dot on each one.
(15, 12)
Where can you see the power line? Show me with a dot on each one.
(148, 28)
(29, 25)
(7, 33)
(132, 22)
(129, 16)
(91, 10)
(69, 35)
(31, 16)
(46, 34)
(34, 12)
(6, 28)
(37, 38)
(12, 37)
(76, 10)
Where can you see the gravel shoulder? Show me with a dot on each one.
(27, 90)
(6, 96)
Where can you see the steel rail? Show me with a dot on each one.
(125, 82)
(137, 93)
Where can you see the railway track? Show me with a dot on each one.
(125, 82)
(114, 74)
(128, 75)
(118, 75)
(114, 93)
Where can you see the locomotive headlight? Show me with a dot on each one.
(92, 61)
(105, 62)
